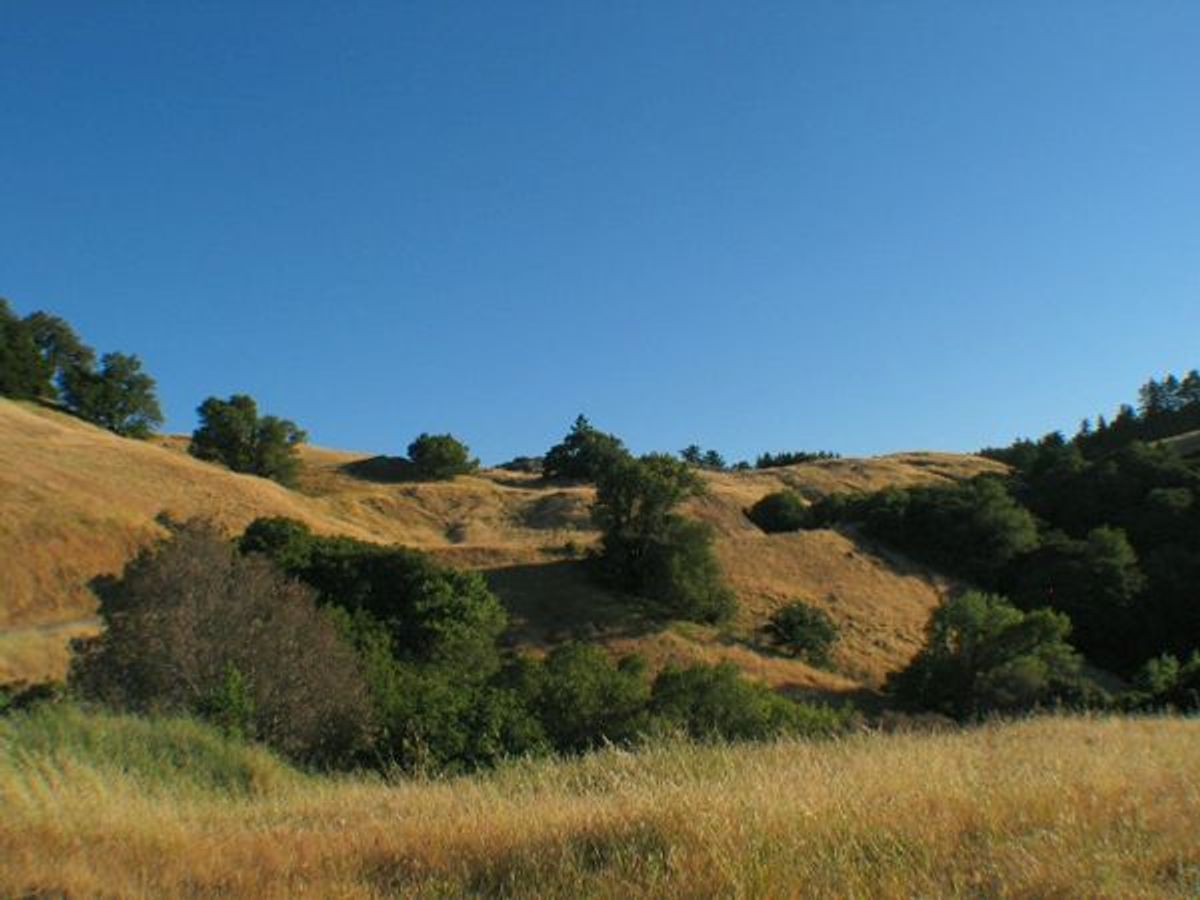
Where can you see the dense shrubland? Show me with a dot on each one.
(341, 653)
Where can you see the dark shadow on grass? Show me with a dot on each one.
(557, 601)
(382, 470)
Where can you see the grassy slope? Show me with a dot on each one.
(106, 806)
(76, 502)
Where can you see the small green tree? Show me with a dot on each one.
(440, 456)
(119, 396)
(232, 433)
(984, 654)
(650, 550)
(804, 631)
(584, 453)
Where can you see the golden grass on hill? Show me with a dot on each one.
(39, 653)
(77, 502)
(1040, 808)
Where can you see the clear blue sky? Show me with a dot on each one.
(854, 226)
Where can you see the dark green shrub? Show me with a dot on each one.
(1165, 682)
(431, 718)
(436, 615)
(583, 699)
(974, 529)
(983, 654)
(804, 631)
(780, 511)
(232, 433)
(440, 456)
(717, 702)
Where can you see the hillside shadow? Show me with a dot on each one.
(557, 601)
(381, 470)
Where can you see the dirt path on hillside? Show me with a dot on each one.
(52, 629)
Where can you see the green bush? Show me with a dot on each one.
(436, 615)
(983, 654)
(1166, 682)
(710, 702)
(583, 699)
(780, 511)
(440, 456)
(804, 631)
(232, 433)
(432, 719)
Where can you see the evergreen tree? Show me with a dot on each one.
(583, 453)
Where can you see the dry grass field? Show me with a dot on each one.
(77, 502)
(1070, 807)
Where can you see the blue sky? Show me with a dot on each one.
(853, 226)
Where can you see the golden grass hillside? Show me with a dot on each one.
(77, 502)
(106, 806)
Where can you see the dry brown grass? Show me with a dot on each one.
(1041, 808)
(40, 652)
(77, 502)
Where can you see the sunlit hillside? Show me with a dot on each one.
(77, 502)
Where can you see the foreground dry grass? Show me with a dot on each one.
(1040, 808)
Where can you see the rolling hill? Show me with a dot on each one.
(77, 502)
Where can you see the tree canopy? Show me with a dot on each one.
(584, 453)
(118, 396)
(440, 456)
(985, 654)
(650, 550)
(232, 433)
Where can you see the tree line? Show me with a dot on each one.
(1097, 537)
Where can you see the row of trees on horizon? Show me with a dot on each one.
(42, 358)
